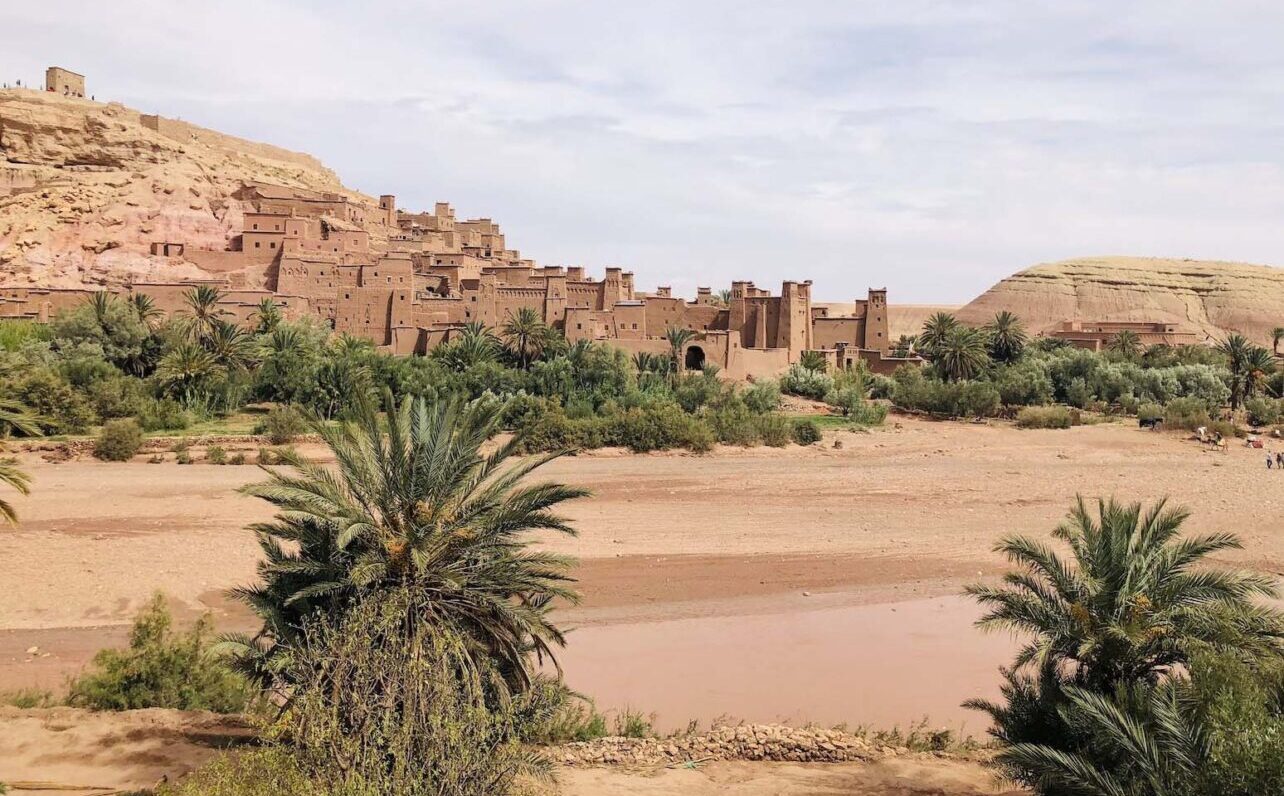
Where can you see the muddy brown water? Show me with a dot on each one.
(881, 665)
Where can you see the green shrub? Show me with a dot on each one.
(734, 425)
(161, 669)
(806, 432)
(215, 454)
(575, 718)
(1150, 412)
(868, 414)
(1225, 428)
(183, 457)
(1127, 404)
(282, 424)
(799, 380)
(61, 408)
(237, 459)
(774, 429)
(14, 334)
(447, 731)
(846, 399)
(881, 387)
(916, 391)
(28, 698)
(660, 427)
(1264, 411)
(165, 414)
(266, 456)
(763, 396)
(116, 396)
(1186, 413)
(1242, 705)
(118, 441)
(268, 771)
(632, 724)
(1044, 417)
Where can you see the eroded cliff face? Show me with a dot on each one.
(1209, 297)
(86, 187)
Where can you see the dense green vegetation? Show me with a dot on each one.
(1145, 672)
(112, 359)
(984, 372)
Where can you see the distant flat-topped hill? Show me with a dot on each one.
(1209, 297)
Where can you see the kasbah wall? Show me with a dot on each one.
(411, 281)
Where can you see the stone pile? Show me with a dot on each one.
(746, 742)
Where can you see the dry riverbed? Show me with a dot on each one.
(798, 584)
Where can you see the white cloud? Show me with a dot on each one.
(933, 147)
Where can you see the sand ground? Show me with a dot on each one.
(830, 574)
(79, 753)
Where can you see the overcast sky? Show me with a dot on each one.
(931, 148)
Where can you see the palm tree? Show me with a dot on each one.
(1258, 364)
(936, 330)
(724, 297)
(963, 353)
(1248, 364)
(283, 340)
(202, 310)
(1126, 343)
(677, 339)
(186, 369)
(267, 316)
(1277, 334)
(1157, 354)
(145, 308)
(646, 362)
(1007, 337)
(475, 345)
(230, 345)
(14, 417)
(347, 345)
(1142, 743)
(1130, 603)
(101, 302)
(419, 506)
(526, 336)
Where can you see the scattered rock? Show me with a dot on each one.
(745, 742)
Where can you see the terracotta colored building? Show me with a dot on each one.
(411, 281)
(64, 81)
(1096, 335)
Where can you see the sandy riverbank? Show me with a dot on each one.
(896, 516)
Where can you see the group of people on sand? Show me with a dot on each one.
(1275, 460)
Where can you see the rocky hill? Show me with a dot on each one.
(86, 187)
(1208, 297)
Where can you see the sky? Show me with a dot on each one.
(928, 147)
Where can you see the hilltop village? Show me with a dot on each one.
(97, 196)
(409, 281)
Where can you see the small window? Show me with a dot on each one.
(256, 226)
(635, 326)
(579, 326)
(272, 244)
(256, 244)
